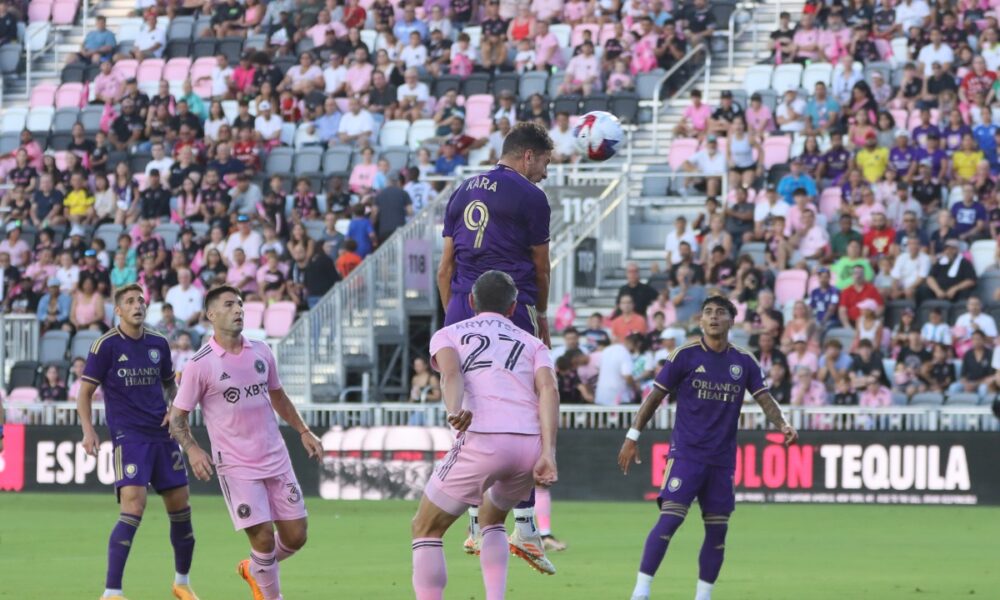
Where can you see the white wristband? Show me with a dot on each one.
(633, 434)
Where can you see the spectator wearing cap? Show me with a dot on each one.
(244, 238)
(15, 247)
(799, 355)
(969, 215)
(95, 270)
(99, 44)
(694, 120)
(725, 114)
(872, 159)
(790, 115)
(952, 277)
(710, 166)
(268, 126)
(794, 180)
(854, 294)
(53, 307)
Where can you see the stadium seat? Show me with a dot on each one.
(39, 12)
(9, 141)
(90, 118)
(36, 36)
(24, 373)
(777, 149)
(963, 399)
(420, 130)
(655, 185)
(14, 119)
(64, 119)
(477, 83)
(816, 73)
(894, 311)
(984, 255)
(790, 285)
(82, 342)
(23, 395)
(680, 150)
(53, 346)
(595, 101)
(505, 82)
(786, 77)
(337, 161)
(900, 116)
(842, 334)
(150, 70)
(10, 57)
(927, 399)
(900, 51)
(39, 120)
(567, 103)
(278, 319)
(64, 12)
(924, 311)
(562, 32)
(394, 133)
(279, 162)
(69, 95)
(73, 73)
(253, 315)
(531, 83)
(177, 69)
(646, 84)
(758, 77)
(308, 161)
(878, 67)
(625, 105)
(169, 232)
(576, 38)
(475, 34)
(829, 202)
(398, 157)
(445, 84)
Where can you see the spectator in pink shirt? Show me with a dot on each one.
(359, 74)
(323, 24)
(242, 273)
(574, 12)
(805, 42)
(760, 121)
(875, 395)
(108, 85)
(694, 121)
(547, 50)
(835, 40)
(242, 76)
(583, 74)
(807, 391)
(363, 173)
(801, 356)
(547, 10)
(800, 203)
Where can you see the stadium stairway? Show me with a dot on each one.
(651, 218)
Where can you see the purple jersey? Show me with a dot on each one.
(837, 161)
(131, 373)
(900, 159)
(920, 133)
(494, 220)
(935, 158)
(708, 388)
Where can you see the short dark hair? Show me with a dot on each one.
(722, 301)
(494, 291)
(571, 329)
(527, 136)
(350, 245)
(132, 287)
(214, 293)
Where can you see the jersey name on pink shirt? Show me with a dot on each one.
(499, 361)
(233, 390)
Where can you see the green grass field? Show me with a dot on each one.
(52, 547)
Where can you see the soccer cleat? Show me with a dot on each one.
(183, 591)
(244, 570)
(551, 544)
(532, 550)
(472, 544)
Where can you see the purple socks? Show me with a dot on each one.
(182, 539)
(713, 549)
(658, 540)
(118, 548)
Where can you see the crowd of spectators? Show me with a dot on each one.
(852, 266)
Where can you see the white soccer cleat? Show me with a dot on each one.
(532, 550)
(472, 544)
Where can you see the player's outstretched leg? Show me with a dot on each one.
(493, 553)
(430, 575)
(712, 551)
(526, 541)
(261, 570)
(133, 503)
(543, 516)
(182, 540)
(671, 517)
(475, 538)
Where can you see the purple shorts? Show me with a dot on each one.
(159, 464)
(685, 480)
(459, 309)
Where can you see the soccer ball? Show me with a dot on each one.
(598, 135)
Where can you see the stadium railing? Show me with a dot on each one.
(822, 418)
(657, 103)
(19, 339)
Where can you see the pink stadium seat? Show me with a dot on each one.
(680, 150)
(790, 285)
(344, 104)
(126, 68)
(900, 116)
(64, 12)
(61, 160)
(253, 315)
(177, 69)
(201, 68)
(279, 318)
(140, 180)
(43, 94)
(607, 33)
(479, 114)
(150, 69)
(829, 202)
(22, 395)
(577, 36)
(776, 150)
(914, 120)
(39, 11)
(69, 95)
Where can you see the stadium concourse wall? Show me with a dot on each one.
(394, 462)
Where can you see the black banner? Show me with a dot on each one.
(585, 254)
(826, 467)
(54, 461)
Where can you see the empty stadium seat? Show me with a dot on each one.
(337, 161)
(963, 399)
(10, 57)
(253, 315)
(150, 70)
(278, 319)
(625, 105)
(786, 77)
(36, 36)
(169, 232)
(777, 149)
(816, 73)
(39, 11)
(308, 161)
(680, 150)
(420, 130)
(126, 68)
(790, 285)
(64, 119)
(64, 12)
(532, 82)
(758, 77)
(69, 95)
(39, 120)
(394, 133)
(984, 254)
(14, 119)
(177, 69)
(927, 399)
(842, 334)
(279, 161)
(53, 346)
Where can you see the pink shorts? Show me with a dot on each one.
(501, 463)
(255, 501)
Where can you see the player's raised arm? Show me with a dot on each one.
(543, 268)
(448, 363)
(629, 452)
(548, 419)
(286, 410)
(773, 412)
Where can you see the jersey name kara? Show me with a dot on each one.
(481, 183)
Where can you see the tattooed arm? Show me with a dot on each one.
(629, 452)
(169, 393)
(772, 411)
(180, 430)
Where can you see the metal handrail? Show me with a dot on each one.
(29, 59)
(657, 100)
(733, 34)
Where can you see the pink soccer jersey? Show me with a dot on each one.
(233, 392)
(499, 361)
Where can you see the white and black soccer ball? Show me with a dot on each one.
(598, 135)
